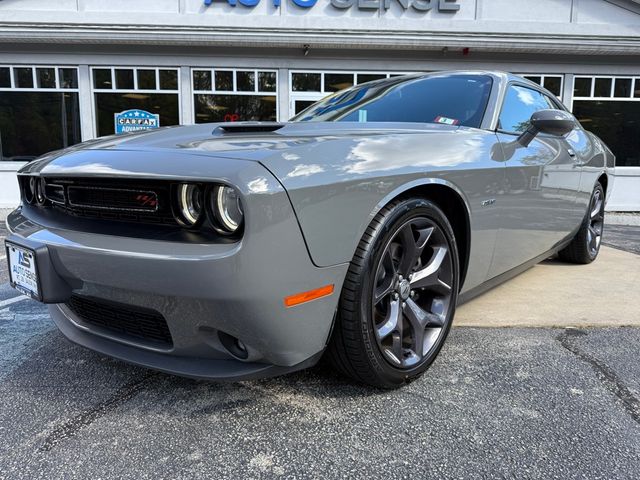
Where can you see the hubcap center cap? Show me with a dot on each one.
(404, 289)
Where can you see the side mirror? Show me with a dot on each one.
(552, 122)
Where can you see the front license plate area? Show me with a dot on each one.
(23, 270)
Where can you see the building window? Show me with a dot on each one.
(117, 89)
(39, 110)
(553, 83)
(610, 108)
(307, 87)
(232, 95)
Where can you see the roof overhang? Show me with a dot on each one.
(318, 38)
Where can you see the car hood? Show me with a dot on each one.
(170, 150)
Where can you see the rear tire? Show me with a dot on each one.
(399, 296)
(585, 246)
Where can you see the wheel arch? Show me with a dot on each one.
(450, 199)
(604, 181)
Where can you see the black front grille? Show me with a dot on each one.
(124, 199)
(128, 321)
(147, 202)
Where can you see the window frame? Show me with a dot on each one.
(34, 67)
(635, 84)
(543, 76)
(255, 93)
(135, 88)
(93, 90)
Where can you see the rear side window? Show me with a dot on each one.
(519, 104)
(450, 99)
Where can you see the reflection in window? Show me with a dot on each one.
(23, 77)
(369, 77)
(617, 123)
(554, 85)
(224, 80)
(300, 105)
(234, 108)
(5, 77)
(603, 87)
(168, 79)
(306, 82)
(34, 123)
(245, 81)
(582, 87)
(46, 77)
(68, 77)
(154, 90)
(519, 104)
(447, 99)
(146, 79)
(102, 78)
(334, 82)
(124, 79)
(267, 81)
(41, 119)
(622, 88)
(202, 80)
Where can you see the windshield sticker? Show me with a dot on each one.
(446, 121)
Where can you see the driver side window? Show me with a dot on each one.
(519, 104)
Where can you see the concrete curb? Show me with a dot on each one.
(555, 294)
(622, 218)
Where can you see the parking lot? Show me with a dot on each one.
(500, 402)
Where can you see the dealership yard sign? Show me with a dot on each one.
(134, 120)
(447, 6)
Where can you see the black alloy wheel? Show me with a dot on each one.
(412, 292)
(399, 297)
(596, 222)
(585, 246)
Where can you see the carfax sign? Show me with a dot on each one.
(134, 120)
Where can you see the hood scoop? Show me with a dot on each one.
(247, 127)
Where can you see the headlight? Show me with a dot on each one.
(225, 206)
(39, 189)
(189, 204)
(30, 190)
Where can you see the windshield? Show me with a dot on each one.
(450, 99)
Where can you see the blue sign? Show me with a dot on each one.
(135, 120)
(443, 6)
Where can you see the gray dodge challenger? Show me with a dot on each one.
(249, 249)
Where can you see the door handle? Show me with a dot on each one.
(571, 153)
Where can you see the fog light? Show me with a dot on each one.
(234, 345)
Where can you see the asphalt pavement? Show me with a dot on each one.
(497, 403)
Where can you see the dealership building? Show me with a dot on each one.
(68, 67)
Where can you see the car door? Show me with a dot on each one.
(538, 206)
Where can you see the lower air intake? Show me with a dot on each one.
(129, 322)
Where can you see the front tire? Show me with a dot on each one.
(399, 296)
(585, 246)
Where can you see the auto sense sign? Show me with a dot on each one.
(445, 6)
(135, 120)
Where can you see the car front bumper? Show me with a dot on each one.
(199, 290)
